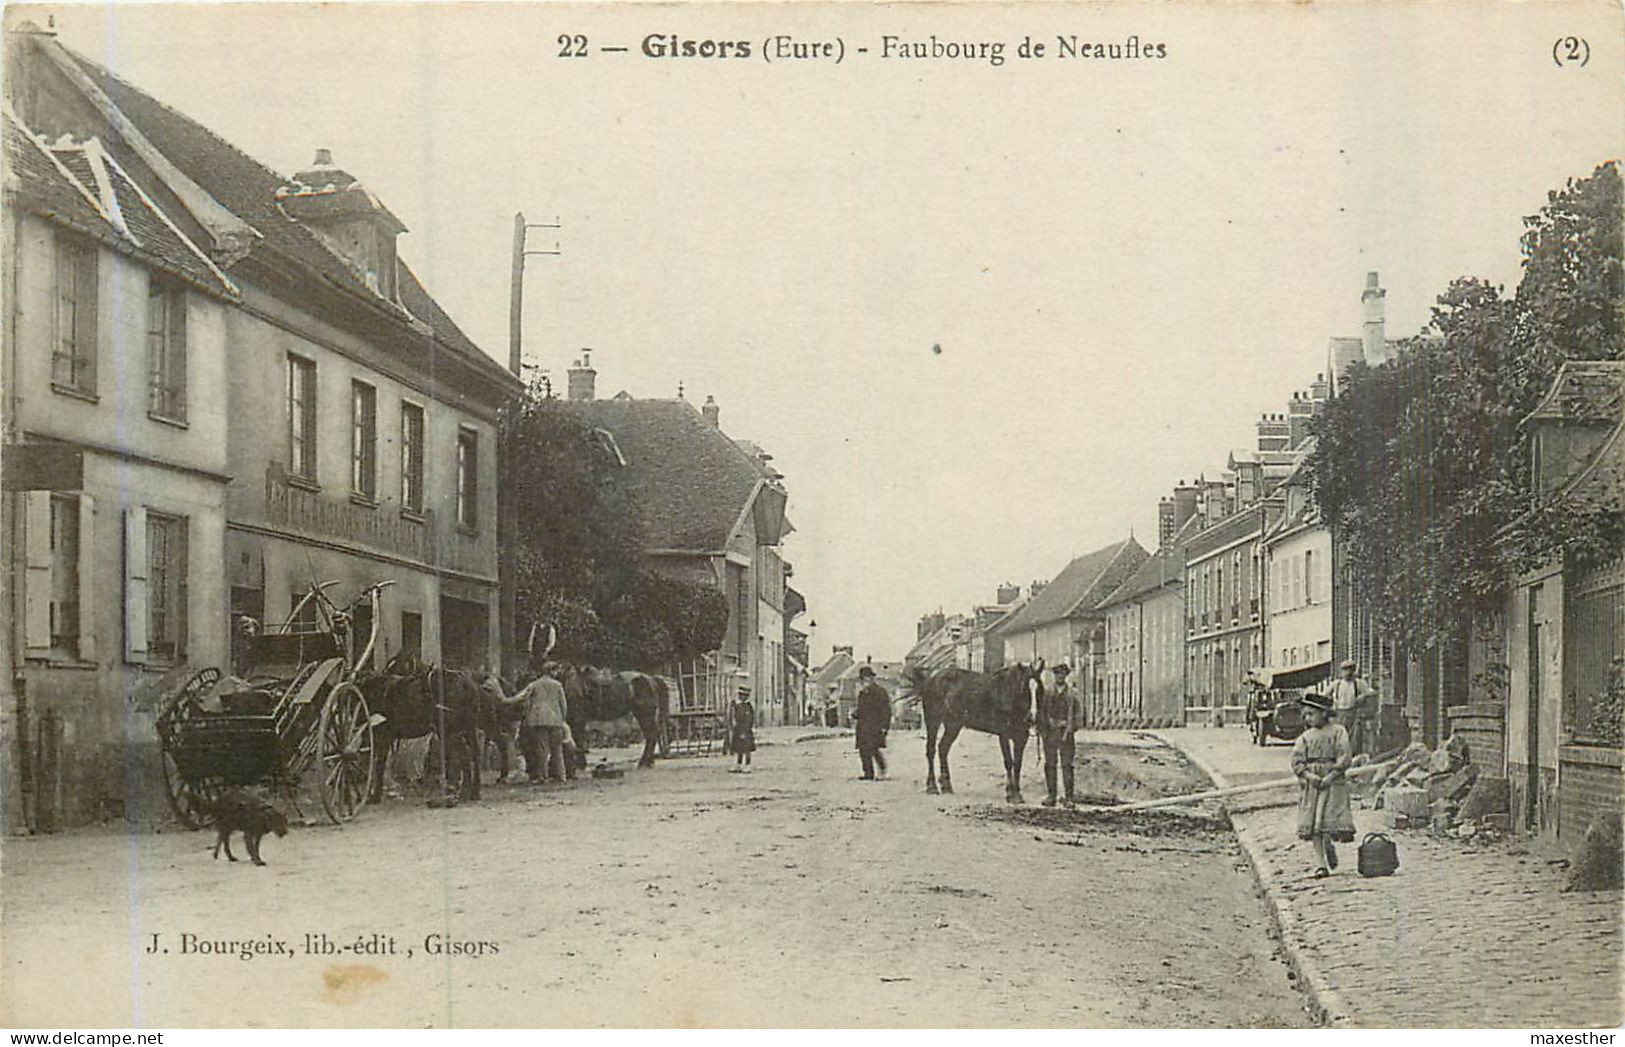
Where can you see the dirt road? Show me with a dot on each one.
(684, 895)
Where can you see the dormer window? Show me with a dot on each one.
(349, 220)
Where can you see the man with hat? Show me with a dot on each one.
(1355, 705)
(742, 732)
(543, 729)
(1059, 718)
(873, 715)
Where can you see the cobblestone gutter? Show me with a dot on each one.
(1326, 1005)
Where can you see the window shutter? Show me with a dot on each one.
(84, 332)
(87, 578)
(181, 566)
(177, 355)
(135, 585)
(37, 580)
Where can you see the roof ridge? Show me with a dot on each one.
(85, 60)
(234, 235)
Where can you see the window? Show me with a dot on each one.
(166, 587)
(412, 635)
(1309, 576)
(411, 457)
(58, 533)
(166, 350)
(364, 440)
(301, 417)
(468, 478)
(73, 353)
(303, 614)
(65, 574)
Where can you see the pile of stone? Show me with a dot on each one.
(1441, 789)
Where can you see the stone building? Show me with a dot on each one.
(1564, 626)
(349, 436)
(1060, 622)
(1298, 574)
(1143, 666)
(710, 510)
(1224, 609)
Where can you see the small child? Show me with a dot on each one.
(742, 731)
(1319, 760)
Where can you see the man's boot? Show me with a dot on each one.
(1067, 780)
(1049, 784)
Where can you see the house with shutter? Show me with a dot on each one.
(115, 471)
(708, 510)
(1142, 669)
(258, 395)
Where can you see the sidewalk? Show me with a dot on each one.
(1459, 936)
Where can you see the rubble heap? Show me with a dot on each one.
(1442, 790)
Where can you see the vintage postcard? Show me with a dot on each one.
(863, 515)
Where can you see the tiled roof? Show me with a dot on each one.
(1163, 569)
(1589, 389)
(42, 181)
(1084, 583)
(81, 186)
(148, 227)
(832, 670)
(691, 481)
(248, 189)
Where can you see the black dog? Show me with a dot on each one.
(240, 810)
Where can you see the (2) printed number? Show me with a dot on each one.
(573, 46)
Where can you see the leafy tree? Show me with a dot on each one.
(580, 564)
(1421, 464)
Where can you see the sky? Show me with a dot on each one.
(983, 316)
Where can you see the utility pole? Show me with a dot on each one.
(508, 504)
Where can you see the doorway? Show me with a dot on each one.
(1532, 715)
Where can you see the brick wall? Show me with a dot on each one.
(1589, 784)
(1483, 726)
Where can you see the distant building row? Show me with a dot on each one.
(1241, 579)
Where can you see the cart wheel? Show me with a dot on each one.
(192, 800)
(344, 753)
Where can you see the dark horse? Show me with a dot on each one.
(415, 700)
(603, 694)
(1000, 703)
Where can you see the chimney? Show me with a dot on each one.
(1373, 336)
(583, 379)
(1273, 433)
(1185, 498)
(1008, 593)
(712, 413)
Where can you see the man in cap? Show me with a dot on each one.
(542, 734)
(873, 714)
(1355, 705)
(1058, 720)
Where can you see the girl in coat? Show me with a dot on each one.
(742, 731)
(1320, 759)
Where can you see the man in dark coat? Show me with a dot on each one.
(873, 714)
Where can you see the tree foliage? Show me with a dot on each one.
(579, 560)
(1421, 463)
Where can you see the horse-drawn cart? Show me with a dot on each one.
(295, 708)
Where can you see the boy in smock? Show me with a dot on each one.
(1320, 760)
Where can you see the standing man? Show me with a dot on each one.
(542, 735)
(1355, 704)
(873, 714)
(494, 696)
(1058, 720)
